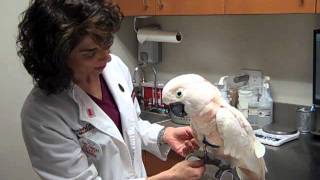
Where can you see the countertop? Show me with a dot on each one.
(295, 160)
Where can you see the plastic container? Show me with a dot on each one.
(265, 108)
(253, 109)
(244, 98)
(305, 119)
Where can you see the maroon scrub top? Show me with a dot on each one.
(107, 104)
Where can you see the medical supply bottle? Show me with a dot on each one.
(265, 108)
(253, 108)
(244, 98)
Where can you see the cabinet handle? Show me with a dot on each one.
(301, 2)
(160, 4)
(145, 4)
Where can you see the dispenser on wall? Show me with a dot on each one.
(150, 52)
(150, 39)
(150, 43)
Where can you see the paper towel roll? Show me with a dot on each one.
(148, 34)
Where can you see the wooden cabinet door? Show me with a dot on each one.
(318, 6)
(269, 6)
(136, 7)
(154, 165)
(189, 7)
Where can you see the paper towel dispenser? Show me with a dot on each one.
(157, 35)
(150, 40)
(150, 52)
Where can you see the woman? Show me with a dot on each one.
(79, 121)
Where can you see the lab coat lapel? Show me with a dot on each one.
(122, 96)
(91, 113)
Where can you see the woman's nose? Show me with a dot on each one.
(105, 55)
(108, 58)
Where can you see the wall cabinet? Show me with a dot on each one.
(137, 7)
(170, 7)
(154, 165)
(318, 6)
(209, 7)
(269, 6)
(189, 7)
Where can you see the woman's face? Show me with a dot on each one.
(88, 58)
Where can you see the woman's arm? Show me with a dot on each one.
(191, 170)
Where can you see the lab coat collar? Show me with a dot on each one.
(90, 112)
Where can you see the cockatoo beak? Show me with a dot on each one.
(177, 109)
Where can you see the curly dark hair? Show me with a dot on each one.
(50, 29)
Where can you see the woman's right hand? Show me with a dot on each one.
(186, 169)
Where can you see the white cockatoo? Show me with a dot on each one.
(220, 124)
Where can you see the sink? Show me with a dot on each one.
(154, 117)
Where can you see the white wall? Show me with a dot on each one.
(125, 44)
(213, 46)
(16, 83)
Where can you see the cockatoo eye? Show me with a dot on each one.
(179, 94)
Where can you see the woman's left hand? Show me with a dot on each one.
(180, 139)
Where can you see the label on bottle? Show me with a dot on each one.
(264, 112)
(253, 111)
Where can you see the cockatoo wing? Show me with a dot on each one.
(237, 133)
(235, 137)
(259, 149)
(239, 140)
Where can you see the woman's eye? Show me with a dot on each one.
(179, 94)
(89, 54)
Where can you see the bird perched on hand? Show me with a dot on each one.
(216, 122)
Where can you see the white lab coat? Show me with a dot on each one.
(69, 137)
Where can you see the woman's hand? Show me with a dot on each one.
(180, 139)
(191, 170)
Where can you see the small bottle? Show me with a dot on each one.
(244, 98)
(265, 109)
(253, 109)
